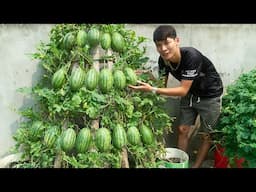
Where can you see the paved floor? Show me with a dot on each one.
(208, 163)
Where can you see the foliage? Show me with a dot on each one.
(62, 108)
(238, 120)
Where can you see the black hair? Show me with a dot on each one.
(163, 31)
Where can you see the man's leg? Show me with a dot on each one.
(187, 118)
(203, 150)
(183, 137)
(209, 110)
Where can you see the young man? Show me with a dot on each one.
(200, 87)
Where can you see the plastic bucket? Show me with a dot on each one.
(174, 154)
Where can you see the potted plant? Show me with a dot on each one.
(237, 122)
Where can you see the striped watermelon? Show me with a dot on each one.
(105, 41)
(133, 136)
(68, 139)
(58, 78)
(91, 79)
(130, 75)
(68, 41)
(119, 137)
(117, 43)
(81, 38)
(93, 37)
(50, 137)
(36, 130)
(105, 80)
(77, 78)
(146, 135)
(83, 140)
(119, 79)
(103, 139)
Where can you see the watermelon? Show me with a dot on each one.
(77, 78)
(58, 78)
(68, 41)
(103, 139)
(91, 79)
(119, 79)
(68, 139)
(83, 140)
(93, 37)
(130, 75)
(146, 135)
(105, 41)
(119, 137)
(81, 38)
(133, 136)
(105, 80)
(117, 43)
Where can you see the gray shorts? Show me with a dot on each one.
(208, 109)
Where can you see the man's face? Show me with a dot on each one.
(167, 48)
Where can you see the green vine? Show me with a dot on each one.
(65, 108)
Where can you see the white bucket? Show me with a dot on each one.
(175, 153)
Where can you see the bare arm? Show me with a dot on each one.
(182, 90)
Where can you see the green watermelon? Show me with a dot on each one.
(119, 137)
(93, 37)
(81, 38)
(105, 41)
(133, 136)
(91, 79)
(119, 79)
(105, 80)
(83, 140)
(103, 139)
(117, 43)
(68, 139)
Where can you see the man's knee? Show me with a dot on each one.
(206, 137)
(184, 129)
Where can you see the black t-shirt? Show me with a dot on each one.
(195, 66)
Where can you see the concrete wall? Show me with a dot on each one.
(17, 70)
(230, 47)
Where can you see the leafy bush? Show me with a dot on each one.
(238, 119)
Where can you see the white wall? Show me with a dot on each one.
(17, 70)
(231, 47)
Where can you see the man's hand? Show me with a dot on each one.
(141, 87)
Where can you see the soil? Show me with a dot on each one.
(174, 160)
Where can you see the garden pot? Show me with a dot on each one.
(174, 158)
(220, 161)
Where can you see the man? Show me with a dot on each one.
(200, 87)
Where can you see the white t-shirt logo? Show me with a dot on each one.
(190, 73)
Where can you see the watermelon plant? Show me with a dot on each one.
(84, 114)
(238, 121)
